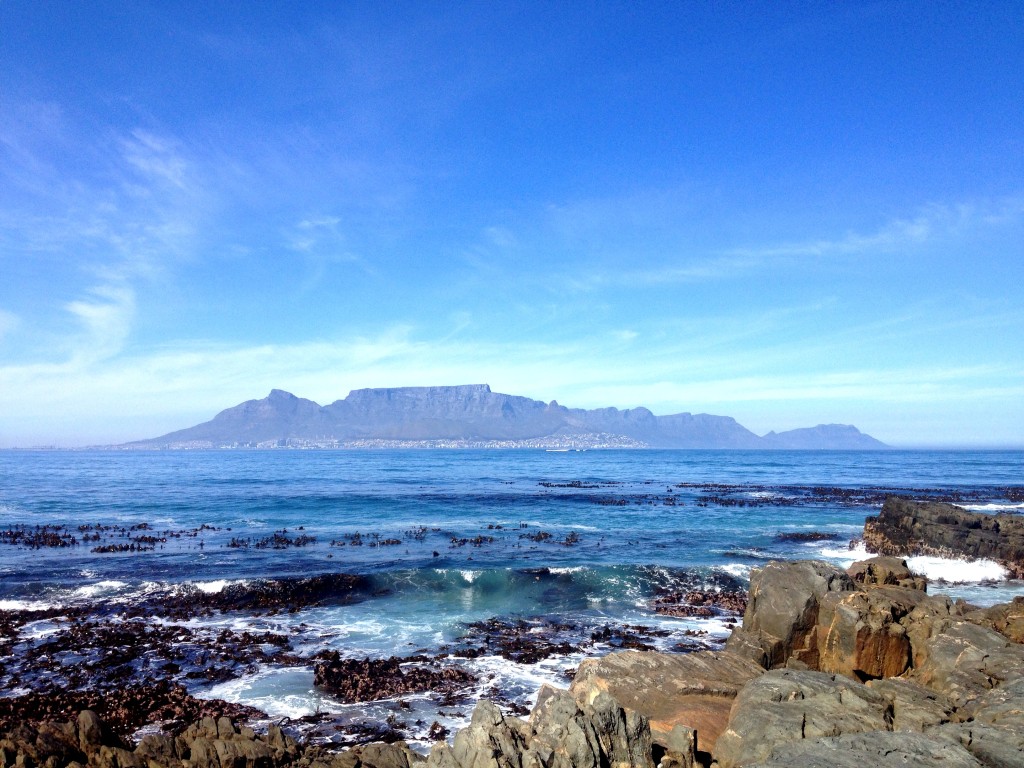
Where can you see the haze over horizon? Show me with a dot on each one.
(789, 214)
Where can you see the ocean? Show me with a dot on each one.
(510, 565)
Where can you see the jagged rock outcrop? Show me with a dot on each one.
(87, 741)
(905, 528)
(886, 571)
(944, 671)
(1006, 619)
(692, 691)
(944, 686)
(781, 619)
(788, 705)
(561, 733)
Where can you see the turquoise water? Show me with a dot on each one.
(441, 539)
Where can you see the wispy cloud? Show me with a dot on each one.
(933, 222)
(106, 315)
(8, 322)
(140, 395)
(688, 264)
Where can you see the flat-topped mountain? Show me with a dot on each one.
(473, 415)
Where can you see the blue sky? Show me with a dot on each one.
(789, 213)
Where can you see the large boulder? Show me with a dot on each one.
(860, 634)
(885, 571)
(787, 705)
(885, 750)
(961, 659)
(691, 691)
(781, 618)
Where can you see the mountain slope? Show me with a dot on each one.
(475, 414)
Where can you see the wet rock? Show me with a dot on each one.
(885, 571)
(905, 528)
(702, 603)
(525, 642)
(693, 690)
(354, 680)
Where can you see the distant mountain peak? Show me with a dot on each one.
(471, 414)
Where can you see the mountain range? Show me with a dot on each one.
(474, 416)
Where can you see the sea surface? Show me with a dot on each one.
(581, 548)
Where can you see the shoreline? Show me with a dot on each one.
(709, 707)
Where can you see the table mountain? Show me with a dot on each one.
(473, 415)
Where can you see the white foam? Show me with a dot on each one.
(957, 571)
(212, 587)
(99, 588)
(992, 507)
(845, 555)
(568, 569)
(943, 569)
(24, 605)
(469, 576)
(739, 570)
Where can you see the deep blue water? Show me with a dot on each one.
(449, 537)
(624, 506)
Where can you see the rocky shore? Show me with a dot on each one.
(829, 668)
(944, 530)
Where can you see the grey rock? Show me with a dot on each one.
(90, 731)
(490, 740)
(994, 746)
(961, 659)
(379, 755)
(885, 750)
(790, 705)
(782, 612)
(885, 571)
(914, 707)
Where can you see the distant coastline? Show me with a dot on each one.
(474, 417)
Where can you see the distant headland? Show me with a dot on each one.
(472, 416)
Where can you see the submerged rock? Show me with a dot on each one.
(372, 679)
